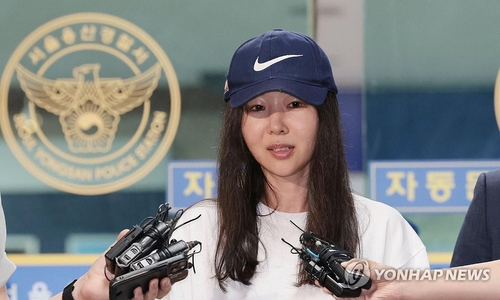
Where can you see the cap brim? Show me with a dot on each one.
(314, 95)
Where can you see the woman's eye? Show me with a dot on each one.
(257, 107)
(296, 104)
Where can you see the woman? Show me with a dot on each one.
(280, 159)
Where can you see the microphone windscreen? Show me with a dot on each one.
(308, 236)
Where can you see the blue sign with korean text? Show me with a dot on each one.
(32, 282)
(191, 181)
(426, 186)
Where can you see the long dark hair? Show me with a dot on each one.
(241, 185)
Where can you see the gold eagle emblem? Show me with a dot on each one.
(89, 107)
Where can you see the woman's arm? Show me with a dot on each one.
(3, 293)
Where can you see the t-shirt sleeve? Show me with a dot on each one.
(386, 237)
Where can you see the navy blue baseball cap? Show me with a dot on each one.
(279, 60)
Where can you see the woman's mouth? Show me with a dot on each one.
(280, 149)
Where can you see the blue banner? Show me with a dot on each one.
(426, 186)
(190, 181)
(39, 277)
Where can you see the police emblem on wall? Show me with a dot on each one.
(89, 103)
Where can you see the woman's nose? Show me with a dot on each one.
(277, 123)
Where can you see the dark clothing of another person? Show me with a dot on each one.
(479, 237)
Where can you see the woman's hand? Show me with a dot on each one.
(94, 285)
(154, 291)
(380, 289)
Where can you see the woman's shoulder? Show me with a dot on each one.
(198, 219)
(373, 206)
(205, 204)
(370, 211)
(206, 208)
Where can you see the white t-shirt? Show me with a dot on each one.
(6, 266)
(385, 237)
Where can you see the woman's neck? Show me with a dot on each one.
(286, 196)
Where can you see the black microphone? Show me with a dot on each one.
(155, 233)
(164, 253)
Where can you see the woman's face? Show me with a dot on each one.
(280, 131)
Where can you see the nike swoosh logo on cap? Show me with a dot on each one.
(257, 66)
